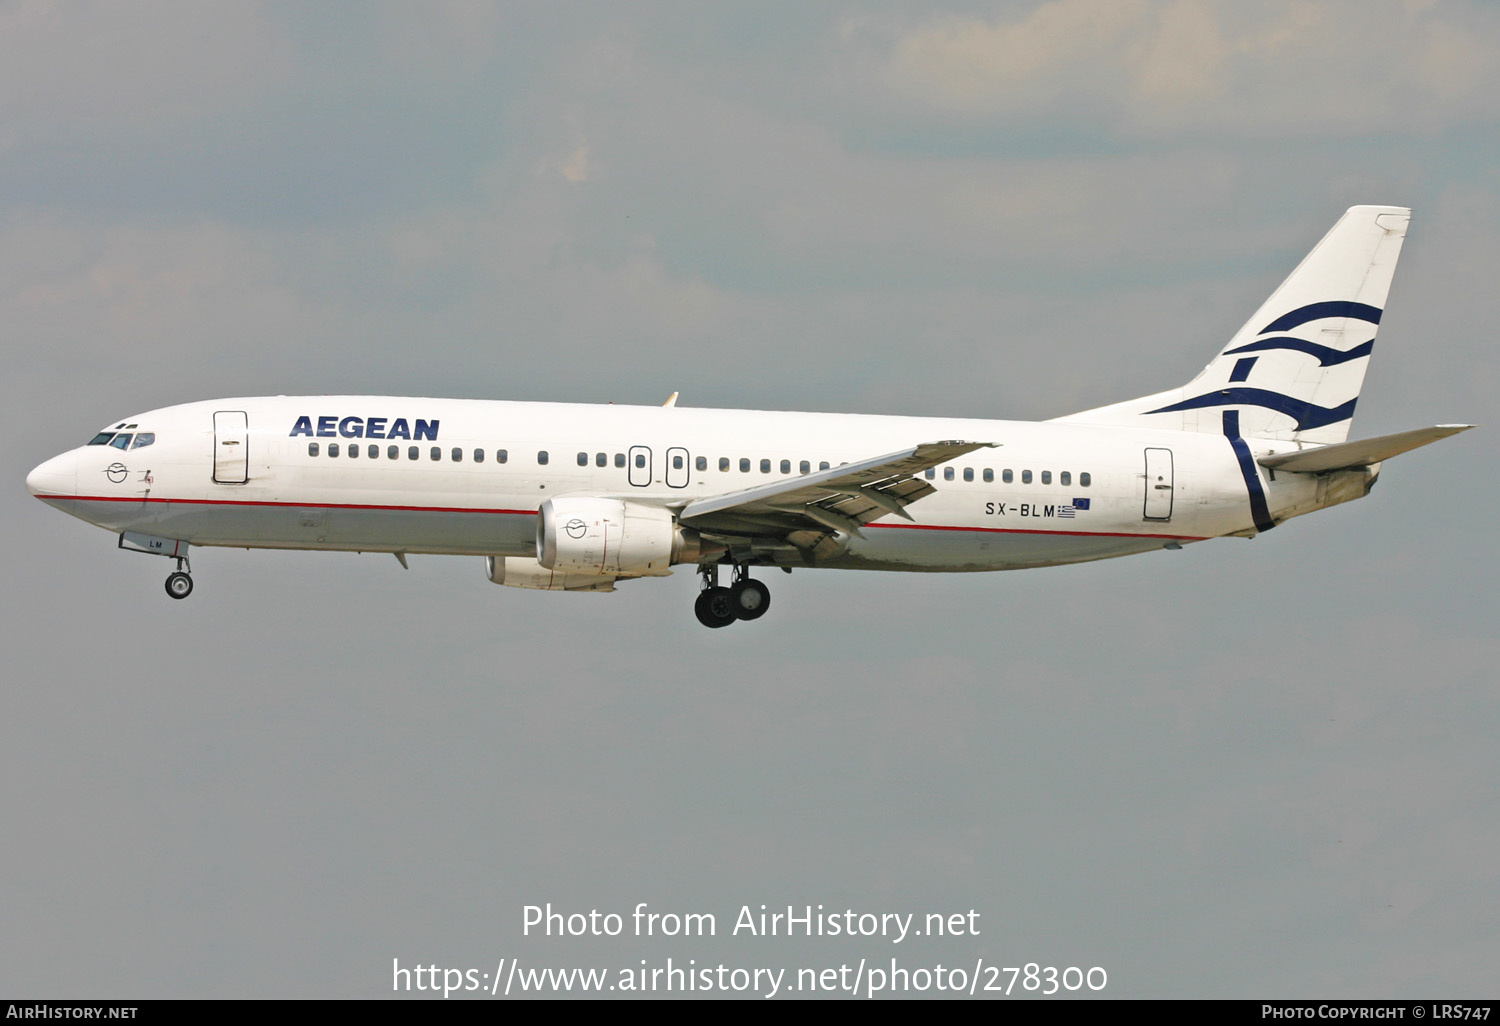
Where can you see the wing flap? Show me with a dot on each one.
(1363, 453)
(843, 498)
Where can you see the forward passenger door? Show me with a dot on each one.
(231, 447)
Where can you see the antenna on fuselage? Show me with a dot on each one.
(671, 400)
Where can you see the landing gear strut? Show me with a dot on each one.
(180, 583)
(745, 599)
(714, 607)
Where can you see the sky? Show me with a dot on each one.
(1246, 769)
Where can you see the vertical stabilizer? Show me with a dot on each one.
(1295, 369)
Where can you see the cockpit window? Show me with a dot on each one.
(102, 438)
(143, 439)
(121, 441)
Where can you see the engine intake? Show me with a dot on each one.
(587, 535)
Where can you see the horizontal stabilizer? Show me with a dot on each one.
(1358, 454)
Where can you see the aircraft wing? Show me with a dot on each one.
(811, 507)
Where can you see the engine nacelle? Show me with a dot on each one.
(523, 572)
(586, 535)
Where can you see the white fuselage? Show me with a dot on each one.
(1047, 493)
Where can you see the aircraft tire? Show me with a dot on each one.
(715, 608)
(179, 585)
(750, 598)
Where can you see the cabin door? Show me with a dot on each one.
(1158, 484)
(231, 447)
(640, 466)
(677, 467)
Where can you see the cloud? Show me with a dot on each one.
(1162, 67)
(72, 63)
(441, 38)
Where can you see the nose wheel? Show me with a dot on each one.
(180, 582)
(745, 599)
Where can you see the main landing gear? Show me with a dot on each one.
(180, 583)
(745, 599)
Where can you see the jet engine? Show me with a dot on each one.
(523, 572)
(587, 535)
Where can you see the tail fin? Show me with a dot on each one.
(1295, 369)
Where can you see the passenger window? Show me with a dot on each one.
(1026, 477)
(583, 459)
(102, 438)
(640, 461)
(601, 459)
(478, 455)
(786, 466)
(456, 454)
(765, 466)
(677, 463)
(804, 467)
(989, 475)
(412, 452)
(1084, 479)
(1046, 477)
(1008, 476)
(435, 454)
(931, 473)
(700, 462)
(1065, 478)
(541, 457)
(143, 439)
(374, 452)
(333, 448)
(744, 465)
(393, 452)
(312, 448)
(723, 463)
(947, 473)
(501, 455)
(968, 473)
(354, 450)
(823, 465)
(121, 442)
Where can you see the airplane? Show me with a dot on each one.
(578, 498)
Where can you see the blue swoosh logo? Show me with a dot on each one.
(1307, 415)
(1260, 511)
(1317, 311)
(1327, 356)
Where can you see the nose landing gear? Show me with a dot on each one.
(745, 599)
(180, 582)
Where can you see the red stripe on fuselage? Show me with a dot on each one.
(532, 513)
(1035, 530)
(297, 505)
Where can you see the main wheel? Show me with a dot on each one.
(715, 608)
(750, 598)
(179, 585)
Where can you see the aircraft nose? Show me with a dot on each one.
(58, 476)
